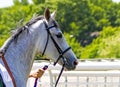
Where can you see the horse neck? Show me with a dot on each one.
(20, 56)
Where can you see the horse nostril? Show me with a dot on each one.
(75, 62)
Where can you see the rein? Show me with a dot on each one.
(7, 67)
(61, 53)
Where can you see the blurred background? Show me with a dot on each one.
(91, 27)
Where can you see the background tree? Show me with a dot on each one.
(16, 2)
(24, 2)
(94, 24)
(38, 1)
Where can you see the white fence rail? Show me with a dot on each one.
(104, 73)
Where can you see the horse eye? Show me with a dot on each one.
(59, 35)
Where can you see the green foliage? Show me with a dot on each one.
(38, 1)
(74, 44)
(24, 2)
(16, 2)
(93, 23)
(105, 46)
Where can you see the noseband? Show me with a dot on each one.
(60, 51)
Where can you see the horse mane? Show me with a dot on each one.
(18, 31)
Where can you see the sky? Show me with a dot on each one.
(116, 0)
(6, 3)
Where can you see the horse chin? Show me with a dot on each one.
(68, 67)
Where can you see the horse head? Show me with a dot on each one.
(55, 46)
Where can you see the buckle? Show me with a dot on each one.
(1, 53)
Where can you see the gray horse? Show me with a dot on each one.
(20, 49)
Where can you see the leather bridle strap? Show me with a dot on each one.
(60, 75)
(61, 55)
(60, 51)
(8, 69)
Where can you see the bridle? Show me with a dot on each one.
(60, 51)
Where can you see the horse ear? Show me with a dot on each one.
(53, 15)
(47, 14)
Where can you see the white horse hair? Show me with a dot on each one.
(21, 47)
